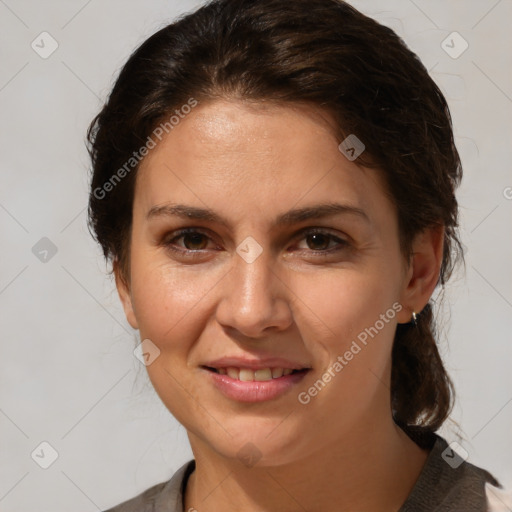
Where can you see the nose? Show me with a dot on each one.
(255, 299)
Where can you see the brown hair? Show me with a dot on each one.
(320, 52)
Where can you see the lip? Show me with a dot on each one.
(254, 391)
(256, 364)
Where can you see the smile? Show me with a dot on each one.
(247, 385)
(248, 374)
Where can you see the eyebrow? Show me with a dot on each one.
(285, 219)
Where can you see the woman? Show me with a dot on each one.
(274, 184)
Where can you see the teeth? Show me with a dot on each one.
(264, 374)
(233, 373)
(277, 372)
(248, 375)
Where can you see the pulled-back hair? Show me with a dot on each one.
(326, 54)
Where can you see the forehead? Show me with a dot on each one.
(258, 156)
(229, 124)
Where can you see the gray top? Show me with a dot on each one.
(446, 484)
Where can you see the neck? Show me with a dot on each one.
(373, 468)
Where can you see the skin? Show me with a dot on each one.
(249, 164)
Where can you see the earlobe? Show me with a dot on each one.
(123, 289)
(423, 273)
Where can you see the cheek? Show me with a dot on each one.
(350, 315)
(346, 301)
(167, 298)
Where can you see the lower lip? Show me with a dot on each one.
(255, 391)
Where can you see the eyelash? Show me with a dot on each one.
(342, 244)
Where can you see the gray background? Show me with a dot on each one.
(68, 375)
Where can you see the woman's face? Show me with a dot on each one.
(270, 277)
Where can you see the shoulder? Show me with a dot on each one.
(166, 496)
(448, 482)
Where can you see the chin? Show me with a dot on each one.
(258, 442)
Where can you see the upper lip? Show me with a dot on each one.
(255, 364)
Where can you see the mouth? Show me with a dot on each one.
(254, 385)
(259, 375)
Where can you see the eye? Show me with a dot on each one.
(192, 240)
(321, 241)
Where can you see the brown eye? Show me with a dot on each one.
(318, 241)
(188, 241)
(321, 241)
(194, 241)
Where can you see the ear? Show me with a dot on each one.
(422, 274)
(124, 291)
